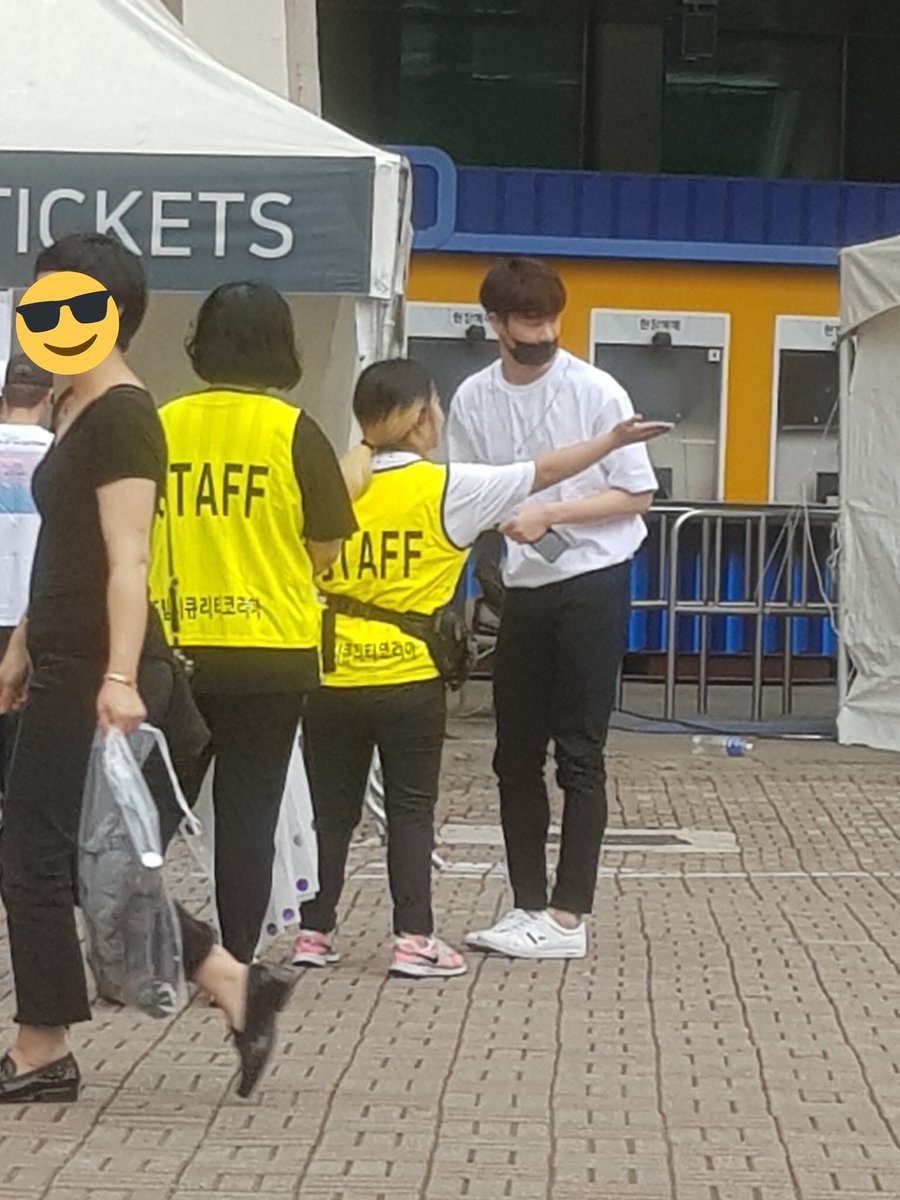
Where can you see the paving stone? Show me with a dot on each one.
(729, 1037)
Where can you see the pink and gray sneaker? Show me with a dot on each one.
(434, 960)
(313, 949)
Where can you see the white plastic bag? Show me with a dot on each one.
(295, 872)
(295, 875)
(133, 937)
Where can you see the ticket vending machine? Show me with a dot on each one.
(805, 401)
(452, 340)
(674, 366)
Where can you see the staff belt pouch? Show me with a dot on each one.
(445, 634)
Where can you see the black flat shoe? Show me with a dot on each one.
(268, 991)
(58, 1083)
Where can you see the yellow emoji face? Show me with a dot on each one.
(67, 322)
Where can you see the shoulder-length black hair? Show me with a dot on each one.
(245, 337)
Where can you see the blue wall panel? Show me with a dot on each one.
(709, 210)
(518, 205)
(749, 218)
(787, 210)
(683, 218)
(862, 213)
(426, 185)
(824, 215)
(480, 209)
(673, 207)
(556, 208)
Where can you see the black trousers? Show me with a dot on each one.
(38, 841)
(557, 662)
(252, 740)
(341, 729)
(8, 722)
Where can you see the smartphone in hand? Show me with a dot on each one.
(551, 545)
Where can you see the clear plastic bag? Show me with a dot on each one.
(133, 937)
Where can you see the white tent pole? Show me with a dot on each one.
(843, 412)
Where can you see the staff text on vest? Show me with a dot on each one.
(378, 556)
(217, 491)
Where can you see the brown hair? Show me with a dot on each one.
(523, 286)
(26, 385)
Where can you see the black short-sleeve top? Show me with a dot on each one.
(118, 436)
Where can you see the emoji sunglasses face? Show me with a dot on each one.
(43, 315)
(78, 312)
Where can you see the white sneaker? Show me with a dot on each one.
(537, 936)
(479, 939)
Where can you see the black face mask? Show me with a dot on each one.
(534, 354)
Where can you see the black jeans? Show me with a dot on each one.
(39, 838)
(8, 722)
(341, 729)
(252, 740)
(557, 662)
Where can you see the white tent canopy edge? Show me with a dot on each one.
(869, 707)
(102, 96)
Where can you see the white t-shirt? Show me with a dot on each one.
(21, 449)
(494, 421)
(477, 497)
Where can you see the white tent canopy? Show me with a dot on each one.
(113, 119)
(118, 86)
(870, 493)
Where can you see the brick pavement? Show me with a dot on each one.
(732, 1036)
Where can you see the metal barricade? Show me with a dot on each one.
(743, 584)
(725, 594)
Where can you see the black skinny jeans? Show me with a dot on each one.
(8, 722)
(252, 739)
(39, 837)
(557, 663)
(341, 729)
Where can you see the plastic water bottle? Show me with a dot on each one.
(714, 743)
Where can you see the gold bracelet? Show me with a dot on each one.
(115, 677)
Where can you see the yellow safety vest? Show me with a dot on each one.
(233, 512)
(400, 559)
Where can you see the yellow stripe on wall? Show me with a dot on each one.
(754, 296)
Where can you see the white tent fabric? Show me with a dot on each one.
(109, 106)
(870, 495)
(118, 77)
(121, 76)
(145, 87)
(870, 281)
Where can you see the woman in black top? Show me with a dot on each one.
(86, 654)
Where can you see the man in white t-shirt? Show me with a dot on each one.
(565, 617)
(24, 410)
